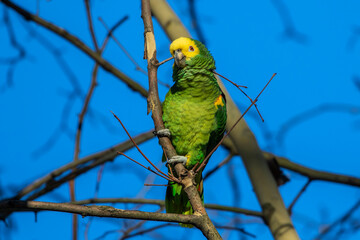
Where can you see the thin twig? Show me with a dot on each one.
(242, 230)
(290, 30)
(312, 113)
(117, 24)
(91, 26)
(139, 150)
(233, 83)
(234, 183)
(157, 185)
(302, 190)
(127, 232)
(239, 87)
(203, 164)
(149, 180)
(166, 60)
(169, 166)
(137, 66)
(97, 188)
(79, 44)
(12, 61)
(195, 21)
(148, 168)
(150, 230)
(48, 181)
(217, 167)
(342, 219)
(83, 112)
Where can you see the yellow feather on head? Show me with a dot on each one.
(187, 45)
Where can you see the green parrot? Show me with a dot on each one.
(194, 114)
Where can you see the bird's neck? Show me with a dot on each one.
(195, 82)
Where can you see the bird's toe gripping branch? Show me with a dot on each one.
(178, 159)
(162, 133)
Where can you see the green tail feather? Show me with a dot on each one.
(176, 200)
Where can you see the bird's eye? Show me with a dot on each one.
(191, 49)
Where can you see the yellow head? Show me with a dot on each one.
(191, 53)
(183, 49)
(186, 45)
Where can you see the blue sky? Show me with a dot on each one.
(316, 67)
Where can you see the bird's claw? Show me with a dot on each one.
(178, 159)
(162, 133)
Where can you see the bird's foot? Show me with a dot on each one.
(162, 133)
(178, 159)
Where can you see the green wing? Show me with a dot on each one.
(219, 126)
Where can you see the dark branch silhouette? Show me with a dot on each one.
(341, 224)
(314, 112)
(195, 21)
(11, 61)
(290, 31)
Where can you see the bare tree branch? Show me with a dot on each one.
(127, 232)
(91, 26)
(97, 188)
(162, 203)
(8, 206)
(83, 111)
(317, 175)
(195, 21)
(217, 167)
(12, 61)
(137, 66)
(77, 92)
(289, 27)
(353, 38)
(339, 221)
(168, 20)
(79, 44)
(305, 171)
(150, 230)
(82, 165)
(314, 112)
(302, 190)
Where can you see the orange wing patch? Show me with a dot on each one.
(219, 101)
(188, 160)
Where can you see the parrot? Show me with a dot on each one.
(194, 115)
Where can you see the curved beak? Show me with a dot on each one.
(179, 58)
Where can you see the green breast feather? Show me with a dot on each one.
(194, 111)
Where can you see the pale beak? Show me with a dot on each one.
(179, 58)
